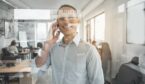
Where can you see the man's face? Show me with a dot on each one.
(67, 21)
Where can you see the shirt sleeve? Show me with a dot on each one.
(94, 67)
(46, 65)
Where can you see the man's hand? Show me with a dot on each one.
(43, 57)
(55, 34)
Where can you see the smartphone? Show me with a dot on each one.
(52, 33)
(57, 30)
(57, 25)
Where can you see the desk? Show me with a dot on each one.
(22, 67)
(19, 67)
(25, 55)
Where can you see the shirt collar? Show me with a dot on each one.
(76, 40)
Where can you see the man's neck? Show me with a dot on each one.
(68, 38)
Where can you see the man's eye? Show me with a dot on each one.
(62, 18)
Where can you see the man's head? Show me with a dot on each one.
(67, 19)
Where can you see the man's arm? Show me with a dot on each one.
(94, 67)
(43, 56)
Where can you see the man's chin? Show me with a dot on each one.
(67, 28)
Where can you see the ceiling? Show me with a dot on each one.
(84, 6)
(47, 4)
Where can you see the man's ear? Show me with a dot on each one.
(78, 20)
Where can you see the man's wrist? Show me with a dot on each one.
(50, 42)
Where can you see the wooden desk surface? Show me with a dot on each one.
(19, 67)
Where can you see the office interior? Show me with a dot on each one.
(115, 27)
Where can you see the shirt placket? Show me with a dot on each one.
(64, 63)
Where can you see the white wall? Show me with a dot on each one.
(115, 33)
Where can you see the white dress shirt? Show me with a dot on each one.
(75, 63)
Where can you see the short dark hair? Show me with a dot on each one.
(39, 44)
(13, 42)
(135, 60)
(66, 5)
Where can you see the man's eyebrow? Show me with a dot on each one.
(67, 15)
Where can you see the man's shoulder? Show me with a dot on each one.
(84, 44)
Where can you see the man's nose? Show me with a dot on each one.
(66, 21)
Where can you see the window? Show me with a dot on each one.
(92, 28)
(31, 14)
(136, 24)
(41, 32)
(100, 27)
(96, 28)
(36, 31)
(35, 23)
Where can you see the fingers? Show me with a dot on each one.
(57, 34)
(56, 37)
(54, 29)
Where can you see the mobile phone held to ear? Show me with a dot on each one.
(57, 31)
(57, 25)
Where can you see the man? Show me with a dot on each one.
(72, 60)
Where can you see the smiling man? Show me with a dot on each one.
(73, 61)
